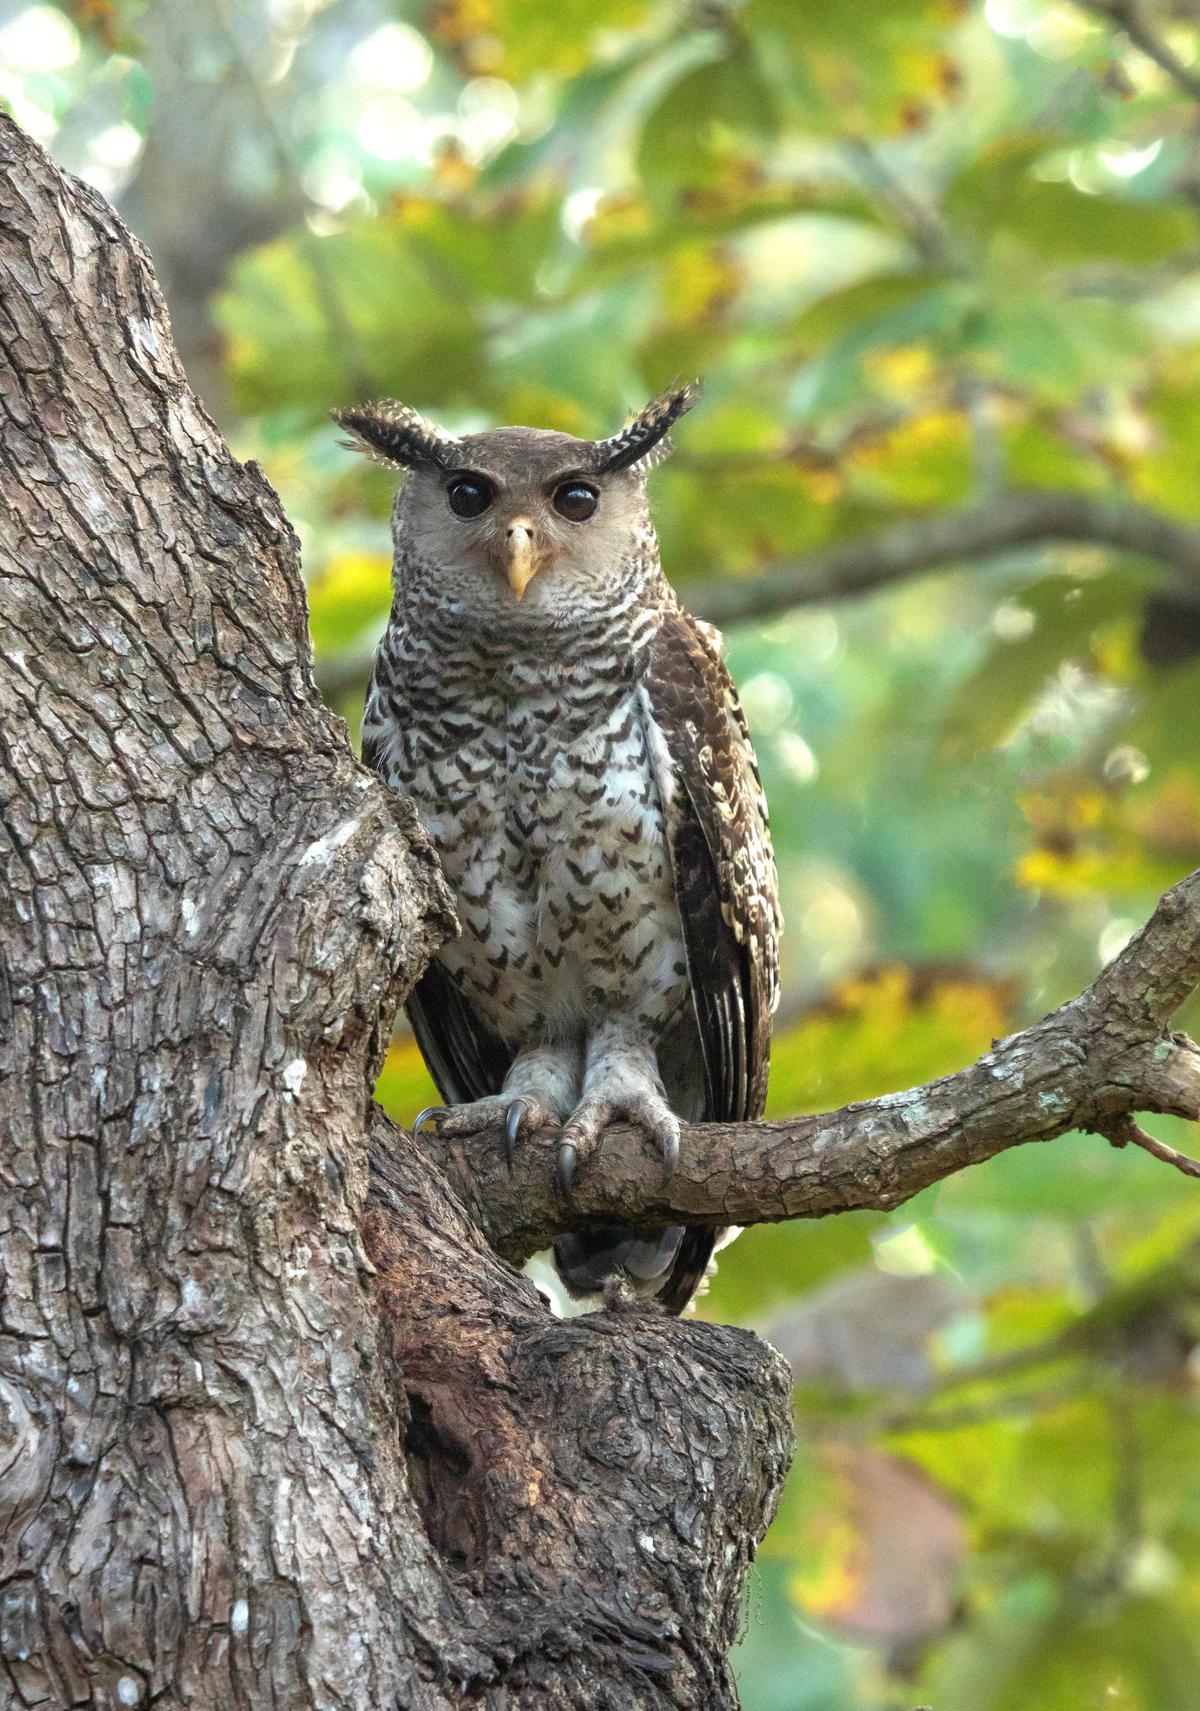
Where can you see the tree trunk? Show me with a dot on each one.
(274, 1434)
(262, 1446)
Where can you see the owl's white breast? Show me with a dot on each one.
(550, 824)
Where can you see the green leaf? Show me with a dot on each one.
(707, 139)
(842, 331)
(998, 196)
(536, 40)
(1050, 346)
(398, 306)
(315, 321)
(1138, 1655)
(1058, 618)
(856, 64)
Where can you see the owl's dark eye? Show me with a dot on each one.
(575, 500)
(470, 495)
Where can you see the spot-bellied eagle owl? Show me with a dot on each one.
(577, 755)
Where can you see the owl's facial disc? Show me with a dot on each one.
(519, 525)
(521, 519)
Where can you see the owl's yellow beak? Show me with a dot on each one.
(519, 561)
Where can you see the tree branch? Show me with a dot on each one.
(1089, 1065)
(1130, 16)
(946, 538)
(905, 549)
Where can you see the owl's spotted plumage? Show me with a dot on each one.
(576, 753)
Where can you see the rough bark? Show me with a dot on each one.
(265, 1442)
(237, 1467)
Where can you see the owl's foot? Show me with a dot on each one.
(519, 1115)
(621, 1083)
(539, 1090)
(642, 1105)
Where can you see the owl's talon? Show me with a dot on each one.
(564, 1170)
(431, 1114)
(516, 1114)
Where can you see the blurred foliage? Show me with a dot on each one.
(921, 252)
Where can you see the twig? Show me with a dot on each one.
(1130, 16)
(1121, 1130)
(923, 223)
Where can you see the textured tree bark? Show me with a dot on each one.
(245, 1459)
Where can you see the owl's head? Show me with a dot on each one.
(521, 513)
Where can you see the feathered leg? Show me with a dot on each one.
(540, 1088)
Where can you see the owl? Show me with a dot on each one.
(577, 755)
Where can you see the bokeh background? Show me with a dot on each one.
(925, 255)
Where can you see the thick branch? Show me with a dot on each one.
(951, 537)
(1089, 1065)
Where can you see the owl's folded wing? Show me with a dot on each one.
(465, 1058)
(725, 880)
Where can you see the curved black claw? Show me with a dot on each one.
(513, 1118)
(565, 1169)
(430, 1114)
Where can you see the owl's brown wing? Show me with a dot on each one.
(725, 880)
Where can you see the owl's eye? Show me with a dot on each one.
(575, 500)
(470, 495)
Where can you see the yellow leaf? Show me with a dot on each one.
(902, 371)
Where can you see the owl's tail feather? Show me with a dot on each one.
(665, 1265)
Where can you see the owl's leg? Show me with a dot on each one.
(620, 1083)
(541, 1086)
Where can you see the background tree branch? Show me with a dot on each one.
(1089, 1065)
(913, 548)
(1134, 18)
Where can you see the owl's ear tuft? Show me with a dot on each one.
(394, 434)
(644, 440)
